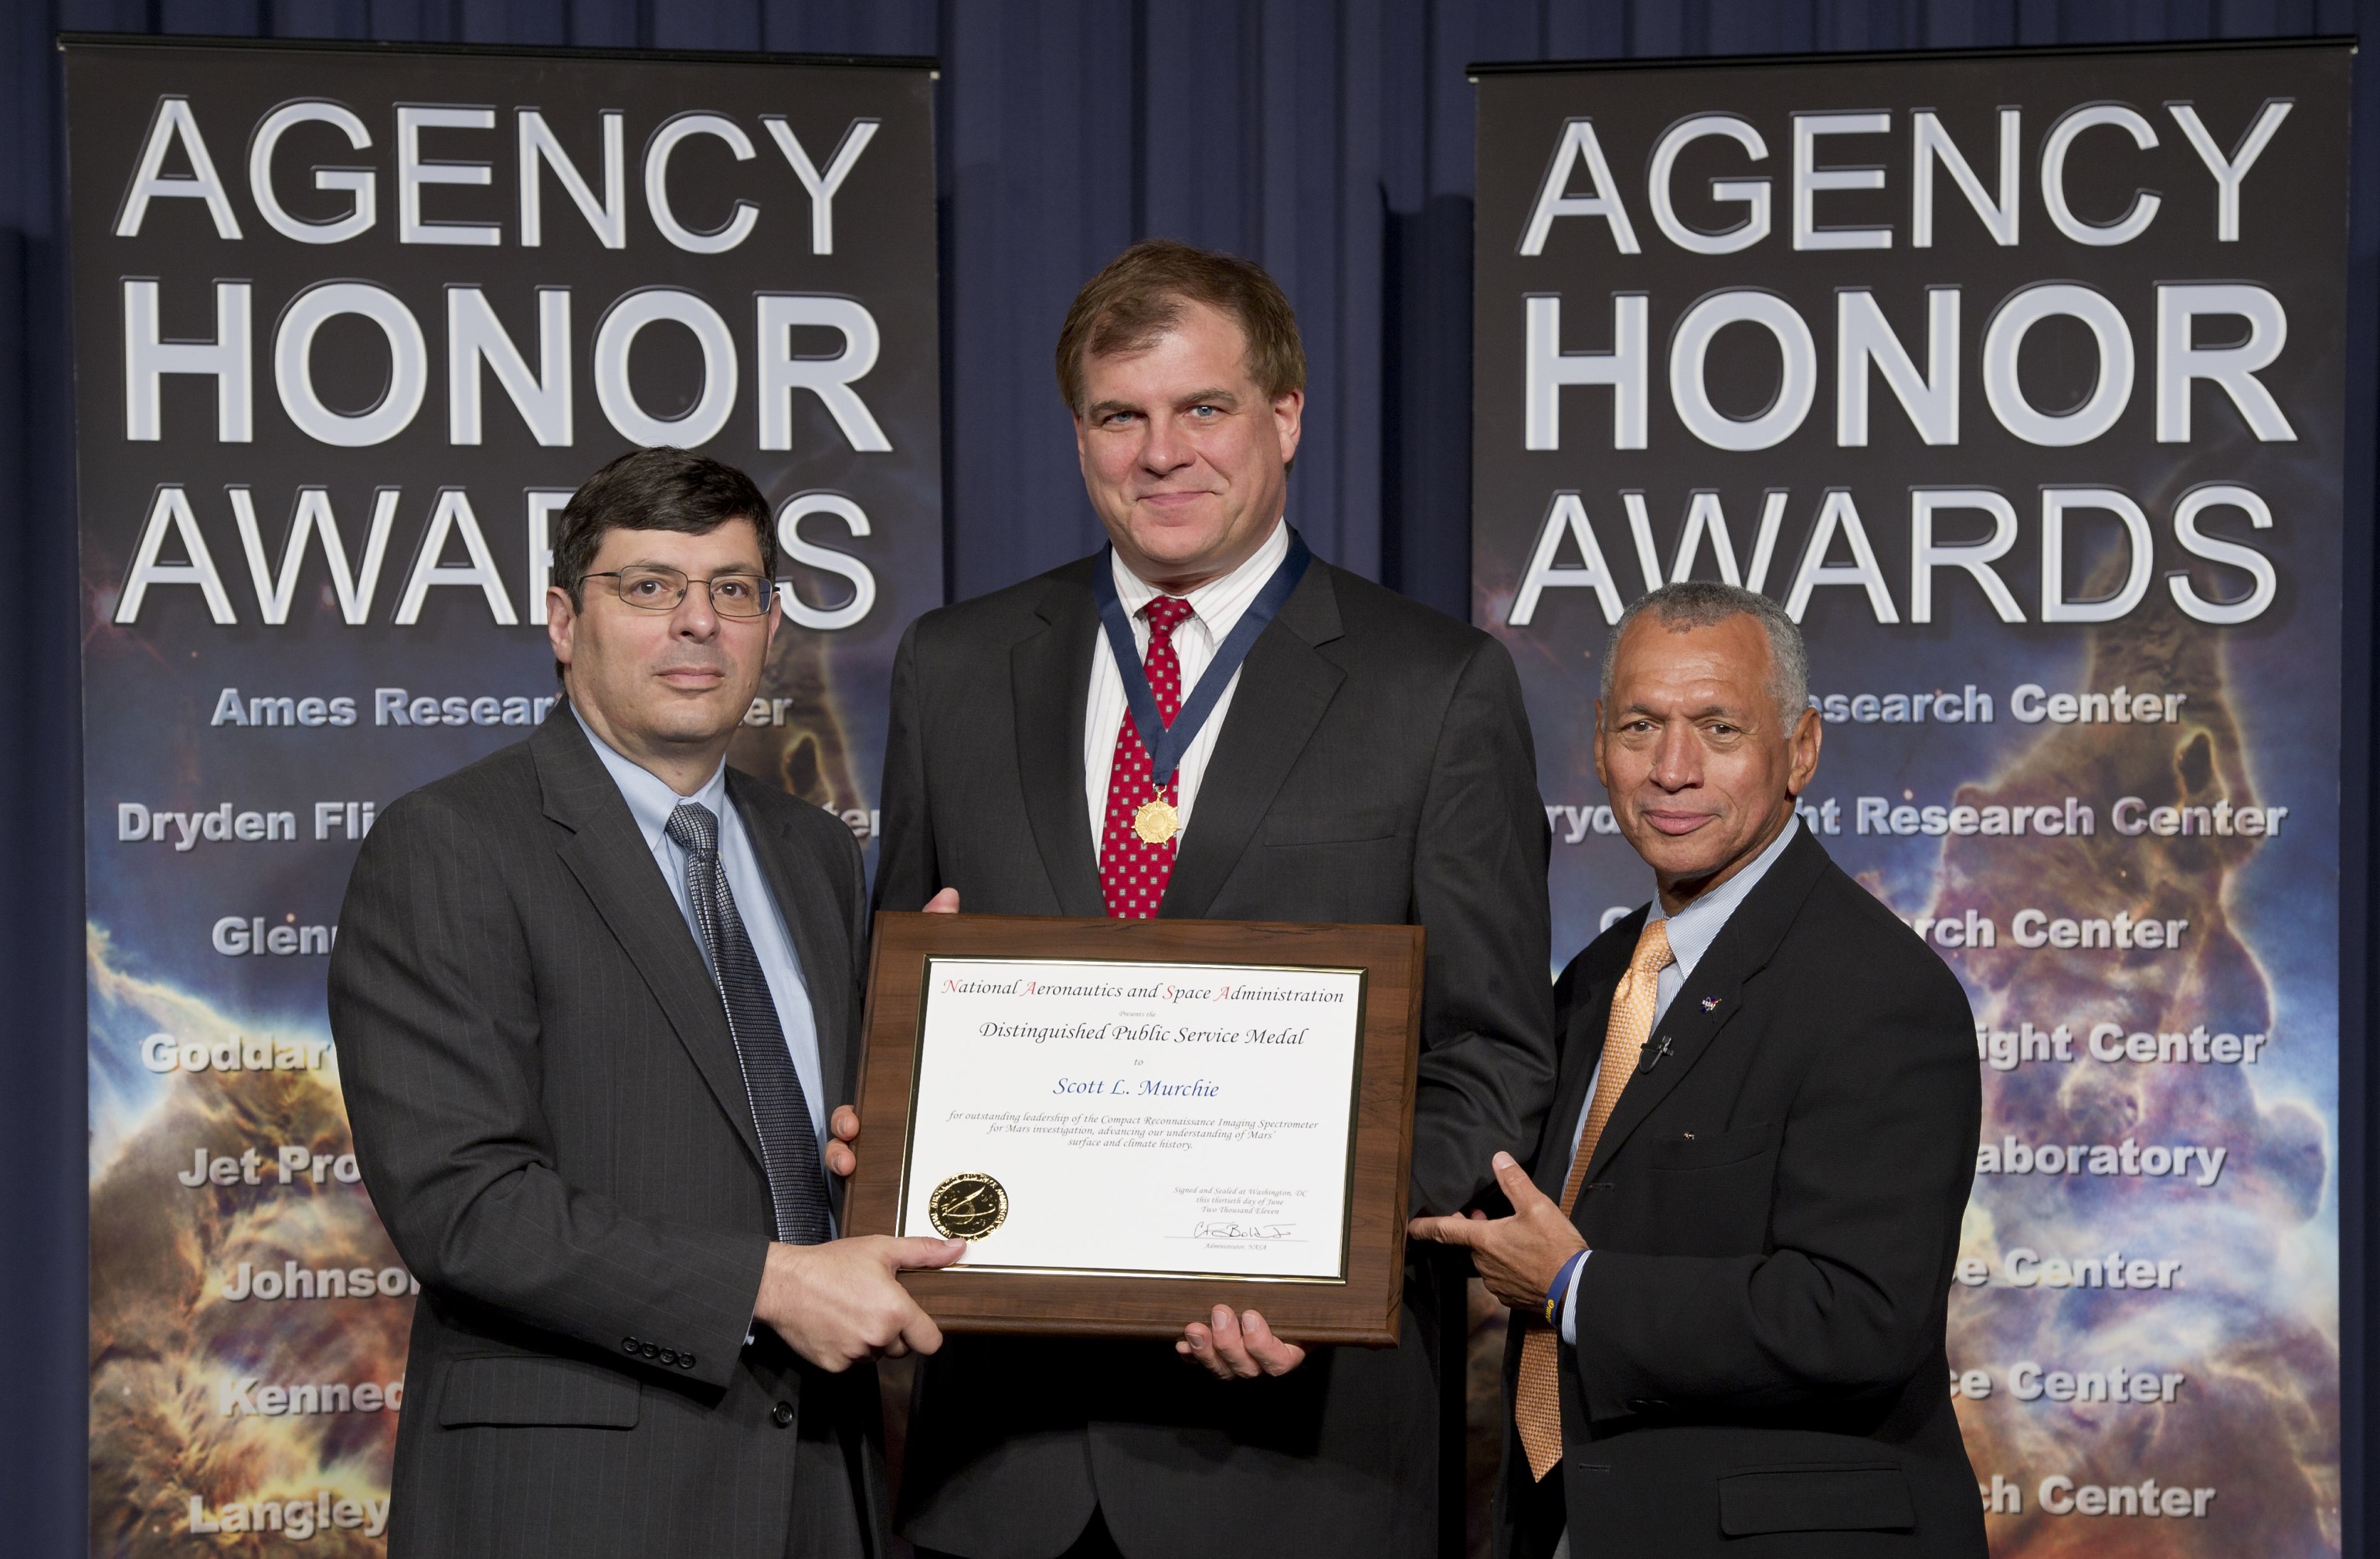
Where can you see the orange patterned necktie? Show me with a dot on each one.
(1536, 1395)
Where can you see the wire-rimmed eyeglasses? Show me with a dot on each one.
(649, 587)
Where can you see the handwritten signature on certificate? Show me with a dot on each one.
(1227, 1229)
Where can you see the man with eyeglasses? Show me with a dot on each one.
(594, 997)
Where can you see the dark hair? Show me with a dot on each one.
(1140, 295)
(660, 489)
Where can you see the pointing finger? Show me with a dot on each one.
(1444, 1231)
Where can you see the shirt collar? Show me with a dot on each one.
(1694, 928)
(650, 800)
(1218, 602)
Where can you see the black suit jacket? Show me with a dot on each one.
(1374, 766)
(1774, 1211)
(551, 1120)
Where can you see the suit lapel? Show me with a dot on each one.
(1590, 1013)
(1284, 687)
(608, 855)
(822, 940)
(1569, 1096)
(1673, 1047)
(1711, 997)
(1049, 682)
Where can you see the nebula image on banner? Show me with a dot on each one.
(2227, 1386)
(2024, 397)
(217, 1359)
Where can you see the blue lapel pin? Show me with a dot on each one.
(1710, 1003)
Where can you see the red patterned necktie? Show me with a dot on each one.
(1133, 872)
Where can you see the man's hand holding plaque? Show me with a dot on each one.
(841, 1303)
(1238, 1347)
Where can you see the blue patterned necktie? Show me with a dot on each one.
(780, 1111)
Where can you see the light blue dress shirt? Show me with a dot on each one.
(650, 802)
(1692, 930)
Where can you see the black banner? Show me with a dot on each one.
(350, 325)
(2017, 379)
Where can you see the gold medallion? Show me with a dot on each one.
(967, 1206)
(1157, 821)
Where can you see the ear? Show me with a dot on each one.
(1601, 777)
(1289, 422)
(1808, 735)
(561, 622)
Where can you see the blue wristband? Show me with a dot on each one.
(1560, 1288)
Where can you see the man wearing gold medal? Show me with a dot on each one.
(1203, 721)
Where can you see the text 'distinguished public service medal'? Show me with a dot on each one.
(967, 1206)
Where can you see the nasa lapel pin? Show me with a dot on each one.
(1710, 1003)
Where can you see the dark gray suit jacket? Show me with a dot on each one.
(1375, 767)
(552, 1121)
(1774, 1208)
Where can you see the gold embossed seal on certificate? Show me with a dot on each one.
(967, 1206)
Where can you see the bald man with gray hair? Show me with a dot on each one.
(1728, 1260)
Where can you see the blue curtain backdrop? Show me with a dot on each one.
(1330, 139)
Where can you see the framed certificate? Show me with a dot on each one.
(1133, 1121)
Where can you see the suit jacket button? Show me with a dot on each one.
(630, 1344)
(781, 1415)
(686, 1361)
(669, 1356)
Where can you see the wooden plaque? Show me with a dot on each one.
(1358, 1306)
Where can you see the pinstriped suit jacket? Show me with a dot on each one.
(552, 1121)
